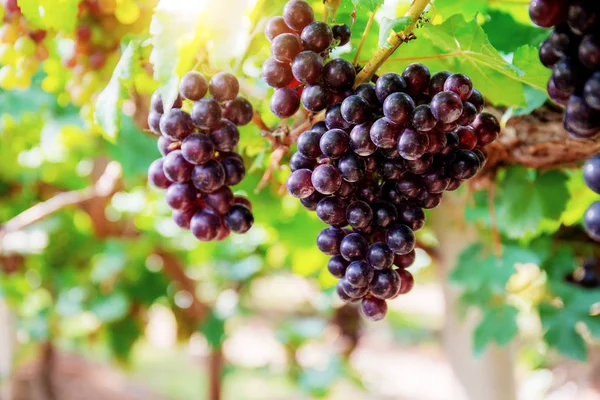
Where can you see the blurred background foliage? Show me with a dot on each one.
(96, 266)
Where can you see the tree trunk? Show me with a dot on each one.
(7, 348)
(490, 376)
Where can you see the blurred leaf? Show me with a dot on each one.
(213, 329)
(111, 308)
(371, 5)
(561, 332)
(498, 325)
(387, 25)
(51, 14)
(318, 382)
(122, 336)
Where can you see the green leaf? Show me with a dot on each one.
(107, 112)
(371, 5)
(387, 25)
(60, 15)
(561, 333)
(527, 199)
(122, 336)
(111, 308)
(498, 325)
(213, 330)
(500, 22)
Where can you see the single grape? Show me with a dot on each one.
(241, 200)
(205, 225)
(487, 128)
(581, 121)
(315, 98)
(591, 91)
(384, 214)
(354, 247)
(404, 260)
(176, 168)
(368, 190)
(299, 183)
(154, 122)
(373, 309)
(176, 124)
(344, 297)
(548, 13)
(352, 168)
(446, 107)
(548, 56)
(384, 133)
(275, 27)
(209, 176)
(156, 103)
(317, 36)
(156, 175)
(359, 215)
(193, 86)
(400, 239)
(311, 202)
(223, 86)
(355, 110)
(238, 111)
(298, 14)
(337, 266)
(399, 108)
(409, 186)
(468, 115)
(277, 74)
(309, 144)
(432, 200)
(406, 281)
(582, 17)
(589, 52)
(234, 170)
(420, 165)
(285, 102)
(226, 136)
(342, 33)
(239, 219)
(460, 84)
(346, 190)
(482, 155)
(568, 74)
(326, 179)
(417, 77)
(437, 141)
(467, 137)
(319, 127)
(390, 169)
(183, 219)
(385, 284)
(557, 95)
(332, 211)
(220, 200)
(591, 221)
(435, 181)
(334, 118)
(437, 82)
(197, 148)
(411, 215)
(413, 144)
(353, 292)
(360, 140)
(359, 273)
(166, 145)
(453, 185)
(368, 92)
(339, 75)
(423, 119)
(329, 240)
(379, 256)
(389, 83)
(206, 113)
(463, 164)
(564, 43)
(307, 67)
(477, 100)
(181, 196)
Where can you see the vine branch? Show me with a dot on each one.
(395, 40)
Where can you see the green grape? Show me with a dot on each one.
(7, 54)
(7, 77)
(25, 46)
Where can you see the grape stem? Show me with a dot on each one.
(395, 40)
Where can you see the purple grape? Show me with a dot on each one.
(355, 110)
(223, 86)
(436, 85)
(205, 225)
(326, 179)
(339, 75)
(413, 144)
(435, 182)
(193, 86)
(446, 107)
(581, 121)
(400, 239)
(384, 214)
(568, 75)
(384, 133)
(437, 141)
(423, 119)
(487, 128)
(156, 174)
(332, 211)
(226, 136)
(360, 140)
(337, 266)
(460, 84)
(432, 200)
(334, 143)
(308, 144)
(591, 91)
(307, 66)
(389, 192)
(548, 56)
(342, 33)
(315, 98)
(206, 113)
(334, 118)
(564, 43)
(385, 284)
(591, 221)
(298, 14)
(359, 215)
(477, 100)
(329, 240)
(238, 111)
(197, 148)
(352, 168)
(346, 190)
(164, 145)
(320, 126)
(220, 200)
(399, 108)
(406, 281)
(234, 170)
(379, 256)
(353, 292)
(181, 196)
(373, 309)
(582, 17)
(368, 190)
(548, 13)
(317, 36)
(183, 219)
(299, 183)
(453, 185)
(589, 52)
(176, 168)
(154, 122)
(417, 77)
(389, 83)
(156, 103)
(176, 124)
(359, 273)
(412, 216)
(410, 186)
(275, 27)
(463, 164)
(467, 137)
(354, 247)
(286, 47)
(311, 202)
(420, 165)
(277, 74)
(468, 115)
(368, 92)
(208, 177)
(344, 297)
(285, 102)
(405, 260)
(390, 169)
(239, 219)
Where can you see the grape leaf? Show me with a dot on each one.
(387, 25)
(498, 325)
(527, 199)
(60, 15)
(107, 112)
(112, 307)
(371, 5)
(561, 333)
(500, 22)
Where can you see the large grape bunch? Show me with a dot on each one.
(199, 162)
(297, 70)
(382, 155)
(573, 53)
(22, 47)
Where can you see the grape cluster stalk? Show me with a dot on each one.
(297, 68)
(200, 163)
(572, 51)
(384, 153)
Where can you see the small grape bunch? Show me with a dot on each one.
(199, 163)
(573, 53)
(591, 219)
(297, 68)
(384, 154)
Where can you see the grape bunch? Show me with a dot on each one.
(573, 53)
(199, 162)
(591, 219)
(382, 155)
(297, 68)
(22, 47)
(588, 276)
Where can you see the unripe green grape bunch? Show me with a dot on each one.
(200, 162)
(383, 154)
